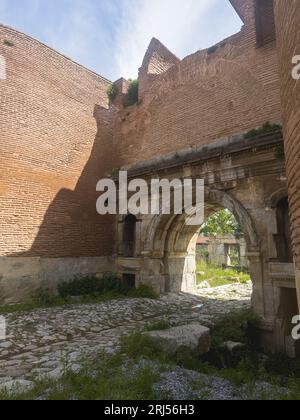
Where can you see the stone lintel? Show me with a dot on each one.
(222, 148)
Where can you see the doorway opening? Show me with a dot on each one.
(129, 234)
(283, 237)
(221, 251)
(129, 281)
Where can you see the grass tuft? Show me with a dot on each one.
(158, 326)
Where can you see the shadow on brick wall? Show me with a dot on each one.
(71, 226)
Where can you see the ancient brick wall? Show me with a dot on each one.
(55, 134)
(287, 24)
(58, 136)
(225, 90)
(265, 22)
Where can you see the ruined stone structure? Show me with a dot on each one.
(59, 135)
(218, 250)
(54, 131)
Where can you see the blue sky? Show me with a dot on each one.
(111, 36)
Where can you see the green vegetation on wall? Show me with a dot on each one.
(8, 43)
(279, 152)
(132, 96)
(265, 129)
(112, 92)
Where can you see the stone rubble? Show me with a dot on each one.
(46, 342)
(181, 384)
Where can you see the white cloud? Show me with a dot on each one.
(180, 24)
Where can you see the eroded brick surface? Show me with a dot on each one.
(58, 137)
(288, 20)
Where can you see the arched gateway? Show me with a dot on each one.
(171, 240)
(244, 181)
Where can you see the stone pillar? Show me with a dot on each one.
(181, 273)
(287, 16)
(243, 254)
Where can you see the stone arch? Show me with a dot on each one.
(159, 228)
(275, 198)
(173, 242)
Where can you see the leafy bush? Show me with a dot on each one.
(110, 285)
(265, 129)
(279, 152)
(202, 254)
(212, 49)
(112, 92)
(91, 286)
(8, 43)
(236, 327)
(138, 346)
(132, 96)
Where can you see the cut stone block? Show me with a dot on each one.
(192, 337)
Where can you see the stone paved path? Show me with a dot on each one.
(44, 342)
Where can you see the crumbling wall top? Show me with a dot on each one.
(244, 9)
(158, 60)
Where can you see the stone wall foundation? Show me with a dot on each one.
(23, 278)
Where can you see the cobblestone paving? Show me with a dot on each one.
(44, 342)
